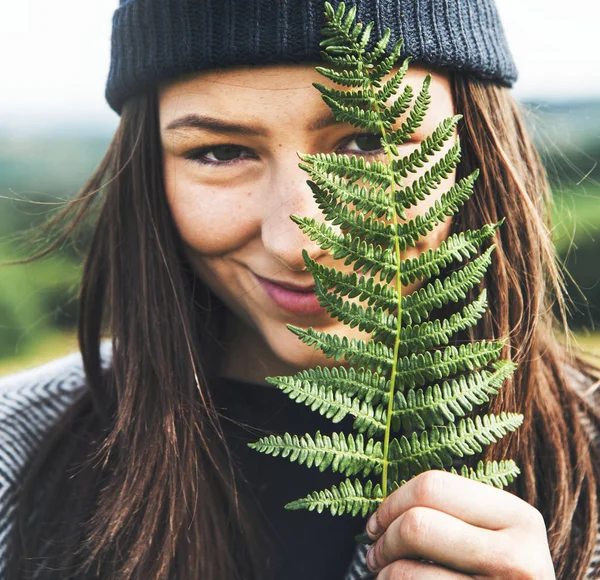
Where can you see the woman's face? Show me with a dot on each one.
(230, 141)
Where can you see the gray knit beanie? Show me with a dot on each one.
(158, 40)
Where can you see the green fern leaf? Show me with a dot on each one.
(351, 497)
(377, 201)
(425, 407)
(418, 305)
(415, 117)
(431, 334)
(369, 386)
(336, 405)
(352, 168)
(347, 98)
(401, 104)
(411, 195)
(498, 474)
(456, 247)
(437, 447)
(412, 389)
(352, 285)
(346, 454)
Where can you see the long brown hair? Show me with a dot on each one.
(558, 459)
(147, 487)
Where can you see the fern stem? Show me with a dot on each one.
(388, 428)
(390, 408)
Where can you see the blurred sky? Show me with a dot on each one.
(55, 57)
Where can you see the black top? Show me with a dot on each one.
(306, 544)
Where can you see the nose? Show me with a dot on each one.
(288, 193)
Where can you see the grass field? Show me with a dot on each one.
(53, 345)
(576, 217)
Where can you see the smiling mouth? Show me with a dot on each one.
(293, 298)
(289, 285)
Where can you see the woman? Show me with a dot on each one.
(138, 467)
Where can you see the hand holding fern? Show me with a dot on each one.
(463, 527)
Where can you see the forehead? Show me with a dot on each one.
(241, 80)
(268, 93)
(250, 91)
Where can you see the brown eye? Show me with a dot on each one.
(365, 144)
(218, 155)
(368, 142)
(225, 152)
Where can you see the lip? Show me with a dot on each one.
(292, 298)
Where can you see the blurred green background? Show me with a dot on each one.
(38, 301)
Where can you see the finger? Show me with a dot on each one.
(474, 502)
(435, 536)
(412, 570)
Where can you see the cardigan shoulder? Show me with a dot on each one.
(33, 400)
(31, 403)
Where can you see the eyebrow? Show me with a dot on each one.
(194, 121)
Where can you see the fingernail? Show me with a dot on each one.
(371, 558)
(372, 527)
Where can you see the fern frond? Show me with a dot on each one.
(354, 315)
(415, 307)
(344, 78)
(345, 454)
(418, 305)
(374, 293)
(413, 338)
(357, 117)
(401, 104)
(376, 259)
(415, 117)
(368, 229)
(352, 168)
(349, 496)
(377, 201)
(336, 405)
(377, 232)
(367, 256)
(379, 49)
(455, 247)
(347, 98)
(411, 194)
(426, 335)
(411, 388)
(373, 355)
(419, 368)
(367, 385)
(437, 447)
(428, 147)
(448, 204)
(431, 406)
(498, 474)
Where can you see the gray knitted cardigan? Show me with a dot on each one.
(32, 401)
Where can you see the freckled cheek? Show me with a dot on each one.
(213, 222)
